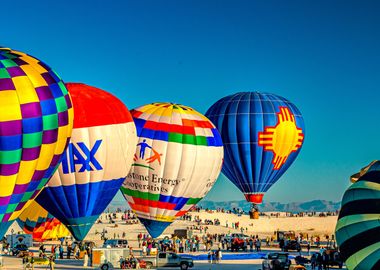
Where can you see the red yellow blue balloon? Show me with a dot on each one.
(36, 119)
(262, 135)
(43, 226)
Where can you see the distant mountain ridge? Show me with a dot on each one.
(293, 207)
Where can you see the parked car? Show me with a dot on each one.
(170, 259)
(237, 244)
(112, 243)
(20, 250)
(301, 260)
(236, 235)
(292, 245)
(276, 261)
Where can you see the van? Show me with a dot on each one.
(112, 243)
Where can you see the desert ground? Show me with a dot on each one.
(263, 227)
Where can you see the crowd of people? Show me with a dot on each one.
(111, 217)
(72, 250)
(239, 211)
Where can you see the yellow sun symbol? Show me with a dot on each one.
(282, 139)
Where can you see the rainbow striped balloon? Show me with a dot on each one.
(178, 158)
(36, 119)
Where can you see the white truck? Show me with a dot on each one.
(109, 258)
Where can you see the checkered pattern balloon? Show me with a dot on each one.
(36, 119)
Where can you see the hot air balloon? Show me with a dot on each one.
(262, 135)
(358, 228)
(36, 119)
(96, 162)
(178, 159)
(43, 226)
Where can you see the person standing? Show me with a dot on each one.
(139, 236)
(68, 252)
(250, 244)
(319, 261)
(144, 250)
(56, 252)
(258, 242)
(85, 259)
(61, 252)
(213, 257)
(313, 261)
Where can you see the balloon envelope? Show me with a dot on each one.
(358, 228)
(96, 162)
(262, 135)
(178, 159)
(43, 226)
(36, 119)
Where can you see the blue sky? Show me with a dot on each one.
(322, 55)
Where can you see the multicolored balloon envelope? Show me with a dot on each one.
(178, 159)
(96, 162)
(358, 228)
(262, 135)
(36, 119)
(43, 226)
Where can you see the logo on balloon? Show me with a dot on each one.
(282, 139)
(155, 156)
(80, 154)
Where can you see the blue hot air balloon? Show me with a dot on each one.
(262, 135)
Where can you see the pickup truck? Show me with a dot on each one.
(170, 259)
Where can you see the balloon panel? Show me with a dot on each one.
(178, 159)
(36, 119)
(358, 227)
(262, 135)
(96, 162)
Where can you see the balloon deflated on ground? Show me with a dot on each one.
(262, 135)
(43, 226)
(96, 162)
(358, 228)
(178, 159)
(36, 119)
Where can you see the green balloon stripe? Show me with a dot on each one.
(349, 220)
(370, 261)
(355, 259)
(349, 231)
(365, 185)
(354, 195)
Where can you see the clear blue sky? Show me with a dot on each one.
(322, 55)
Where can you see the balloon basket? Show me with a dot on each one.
(254, 215)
